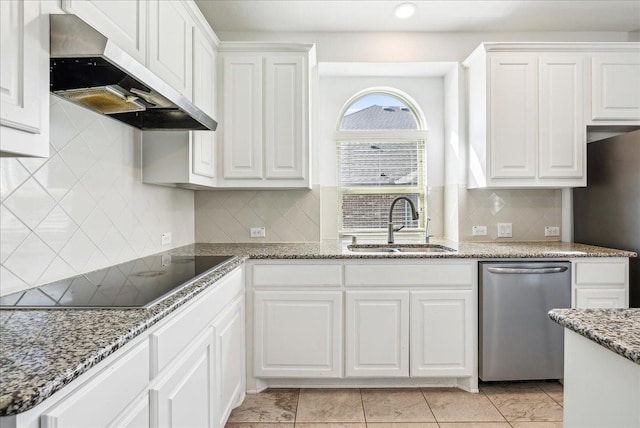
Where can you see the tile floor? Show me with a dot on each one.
(498, 405)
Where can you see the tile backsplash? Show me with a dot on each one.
(529, 211)
(229, 215)
(84, 207)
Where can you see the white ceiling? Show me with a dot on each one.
(431, 15)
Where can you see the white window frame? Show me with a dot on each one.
(397, 136)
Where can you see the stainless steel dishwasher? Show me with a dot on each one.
(517, 339)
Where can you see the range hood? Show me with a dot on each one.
(90, 70)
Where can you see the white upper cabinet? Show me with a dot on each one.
(171, 44)
(123, 21)
(615, 87)
(264, 127)
(526, 120)
(24, 79)
(187, 158)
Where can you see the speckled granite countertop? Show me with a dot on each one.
(43, 350)
(615, 329)
(334, 249)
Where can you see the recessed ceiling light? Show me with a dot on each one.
(405, 10)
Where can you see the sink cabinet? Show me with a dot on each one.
(410, 322)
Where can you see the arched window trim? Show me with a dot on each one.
(402, 135)
(405, 98)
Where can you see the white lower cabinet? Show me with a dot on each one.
(117, 384)
(230, 360)
(297, 334)
(377, 334)
(182, 396)
(405, 321)
(442, 329)
(187, 371)
(136, 416)
(600, 283)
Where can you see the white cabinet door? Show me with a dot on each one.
(615, 87)
(184, 395)
(122, 21)
(297, 334)
(562, 138)
(171, 45)
(512, 116)
(136, 416)
(118, 384)
(285, 107)
(377, 334)
(204, 77)
(242, 117)
(441, 333)
(24, 79)
(230, 360)
(601, 298)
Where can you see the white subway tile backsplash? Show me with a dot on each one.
(84, 207)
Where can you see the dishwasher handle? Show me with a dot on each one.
(508, 270)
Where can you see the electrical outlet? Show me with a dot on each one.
(551, 231)
(166, 238)
(258, 232)
(479, 230)
(505, 230)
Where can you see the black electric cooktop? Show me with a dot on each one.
(138, 283)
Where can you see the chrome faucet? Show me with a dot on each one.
(390, 228)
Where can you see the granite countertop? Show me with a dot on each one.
(615, 329)
(44, 350)
(335, 249)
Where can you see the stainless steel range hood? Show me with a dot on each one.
(90, 70)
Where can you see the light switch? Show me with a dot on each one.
(505, 230)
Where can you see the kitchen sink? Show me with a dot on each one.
(399, 248)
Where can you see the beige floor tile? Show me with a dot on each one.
(402, 425)
(475, 425)
(257, 425)
(272, 405)
(536, 424)
(454, 405)
(330, 425)
(554, 390)
(396, 405)
(330, 405)
(523, 402)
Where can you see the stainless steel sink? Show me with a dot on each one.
(399, 248)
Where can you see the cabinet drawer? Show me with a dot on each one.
(601, 273)
(296, 274)
(435, 274)
(601, 298)
(104, 397)
(170, 339)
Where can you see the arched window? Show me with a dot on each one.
(381, 155)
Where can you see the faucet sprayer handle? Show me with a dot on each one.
(397, 229)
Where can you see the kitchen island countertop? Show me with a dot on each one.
(616, 329)
(44, 350)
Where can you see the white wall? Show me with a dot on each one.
(407, 47)
(84, 207)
